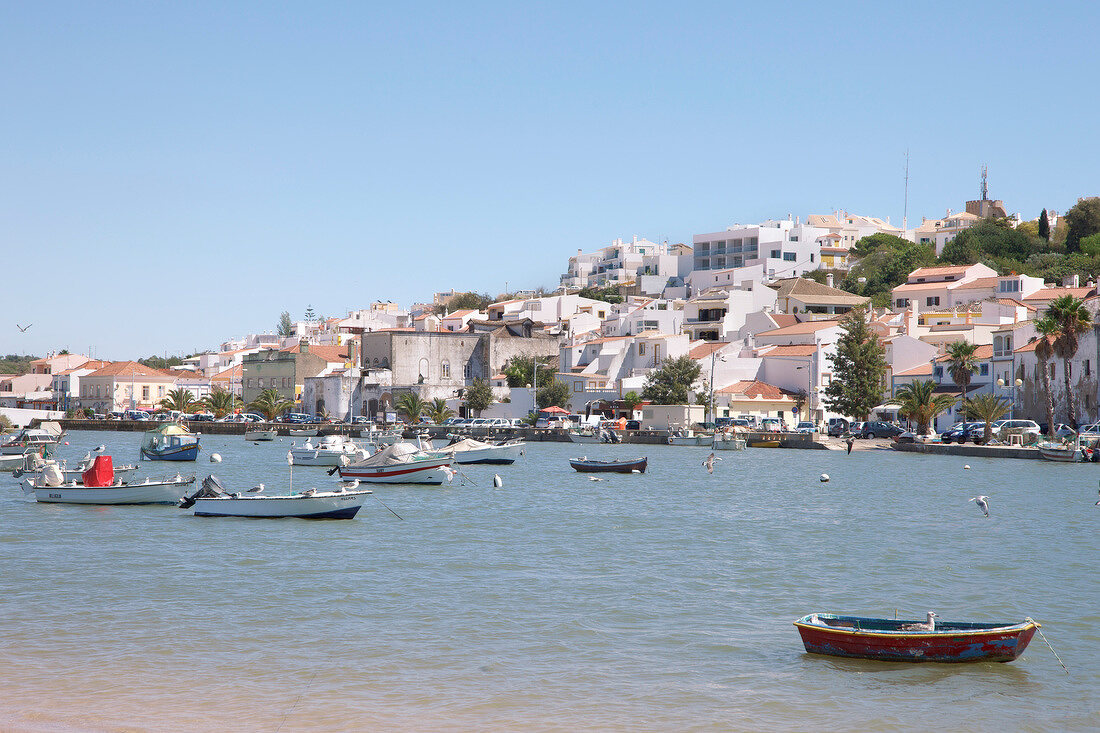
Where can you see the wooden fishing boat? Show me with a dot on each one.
(400, 463)
(892, 640)
(1068, 453)
(587, 465)
(170, 442)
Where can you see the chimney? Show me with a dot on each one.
(303, 346)
(1076, 281)
(829, 279)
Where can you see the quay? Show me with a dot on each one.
(531, 435)
(977, 451)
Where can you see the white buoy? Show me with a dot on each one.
(966, 467)
(215, 458)
(824, 478)
(497, 480)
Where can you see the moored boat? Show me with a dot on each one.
(585, 434)
(471, 450)
(47, 435)
(213, 501)
(1062, 453)
(260, 434)
(302, 432)
(331, 450)
(914, 641)
(400, 463)
(727, 441)
(586, 465)
(170, 442)
(101, 487)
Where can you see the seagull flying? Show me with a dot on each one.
(23, 329)
(709, 462)
(448, 472)
(850, 442)
(982, 504)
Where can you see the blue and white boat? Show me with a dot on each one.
(170, 442)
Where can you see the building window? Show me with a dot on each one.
(641, 348)
(250, 382)
(578, 386)
(939, 372)
(466, 371)
(984, 370)
(1052, 371)
(445, 369)
(1088, 369)
(160, 390)
(775, 254)
(932, 301)
(788, 256)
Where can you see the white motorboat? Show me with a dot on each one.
(213, 501)
(31, 439)
(400, 463)
(101, 487)
(11, 463)
(33, 464)
(471, 450)
(260, 434)
(728, 441)
(687, 436)
(302, 432)
(586, 434)
(331, 450)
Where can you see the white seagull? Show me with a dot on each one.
(497, 480)
(258, 488)
(448, 472)
(982, 504)
(709, 462)
(351, 485)
(593, 478)
(929, 625)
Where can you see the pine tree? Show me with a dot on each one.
(859, 369)
(1044, 226)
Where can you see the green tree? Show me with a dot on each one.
(919, 402)
(286, 326)
(310, 315)
(467, 302)
(888, 266)
(631, 400)
(438, 411)
(180, 400)
(874, 242)
(159, 362)
(988, 408)
(961, 364)
(1073, 319)
(552, 394)
(270, 404)
(1044, 226)
(609, 294)
(991, 238)
(411, 404)
(520, 372)
(1044, 352)
(671, 384)
(479, 396)
(859, 368)
(221, 402)
(1083, 219)
(1090, 245)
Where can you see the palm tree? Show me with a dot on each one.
(1073, 319)
(920, 403)
(987, 408)
(270, 404)
(961, 364)
(411, 404)
(438, 410)
(221, 403)
(179, 400)
(1044, 350)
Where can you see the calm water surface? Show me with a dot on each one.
(657, 602)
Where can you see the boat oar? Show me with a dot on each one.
(1039, 628)
(391, 510)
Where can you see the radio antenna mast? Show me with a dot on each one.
(905, 210)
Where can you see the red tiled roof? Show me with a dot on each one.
(331, 354)
(704, 350)
(797, 350)
(755, 388)
(924, 370)
(1052, 293)
(118, 368)
(232, 372)
(1030, 346)
(782, 320)
(935, 271)
(981, 282)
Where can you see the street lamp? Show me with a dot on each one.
(809, 387)
(1012, 386)
(710, 393)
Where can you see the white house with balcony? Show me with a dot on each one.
(647, 264)
(932, 288)
(637, 314)
(719, 314)
(785, 248)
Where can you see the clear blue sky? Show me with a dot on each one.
(179, 173)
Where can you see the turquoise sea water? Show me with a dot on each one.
(659, 602)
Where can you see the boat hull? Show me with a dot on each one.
(583, 438)
(414, 472)
(881, 640)
(609, 466)
(151, 493)
(728, 444)
(260, 435)
(497, 454)
(1061, 455)
(180, 453)
(328, 505)
(319, 458)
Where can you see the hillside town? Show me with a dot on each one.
(758, 308)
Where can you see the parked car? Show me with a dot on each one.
(960, 432)
(878, 429)
(805, 426)
(293, 417)
(633, 424)
(837, 426)
(1029, 429)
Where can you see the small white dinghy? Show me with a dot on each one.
(260, 434)
(212, 500)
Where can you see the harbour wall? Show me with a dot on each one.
(977, 451)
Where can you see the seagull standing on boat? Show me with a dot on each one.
(258, 488)
(982, 504)
(929, 625)
(349, 485)
(709, 462)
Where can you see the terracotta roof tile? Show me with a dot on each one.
(800, 328)
(796, 350)
(755, 388)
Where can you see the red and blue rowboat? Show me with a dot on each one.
(905, 641)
